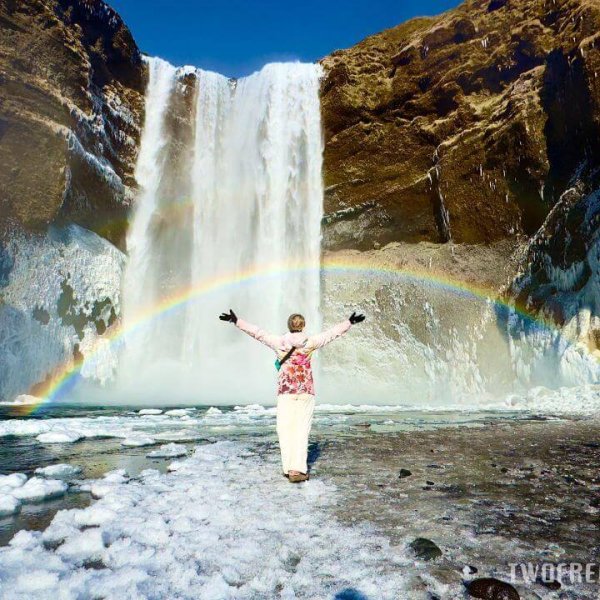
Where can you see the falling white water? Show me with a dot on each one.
(233, 188)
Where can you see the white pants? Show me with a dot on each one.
(294, 418)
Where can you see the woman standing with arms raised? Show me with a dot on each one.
(295, 386)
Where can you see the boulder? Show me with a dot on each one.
(489, 588)
(425, 549)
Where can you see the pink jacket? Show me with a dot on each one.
(295, 376)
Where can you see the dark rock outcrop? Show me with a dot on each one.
(71, 101)
(466, 126)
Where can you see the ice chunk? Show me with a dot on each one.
(59, 437)
(250, 408)
(87, 546)
(178, 412)
(94, 516)
(104, 486)
(168, 451)
(36, 581)
(38, 489)
(117, 476)
(150, 411)
(25, 540)
(9, 505)
(138, 441)
(213, 410)
(60, 471)
(14, 480)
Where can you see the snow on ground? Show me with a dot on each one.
(225, 524)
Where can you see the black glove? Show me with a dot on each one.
(354, 318)
(231, 317)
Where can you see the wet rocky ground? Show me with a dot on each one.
(487, 496)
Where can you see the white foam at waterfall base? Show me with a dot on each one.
(255, 199)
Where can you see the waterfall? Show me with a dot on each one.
(230, 178)
(230, 202)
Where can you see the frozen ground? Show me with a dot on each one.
(488, 489)
(222, 525)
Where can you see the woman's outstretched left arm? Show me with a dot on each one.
(322, 339)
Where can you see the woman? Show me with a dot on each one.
(295, 387)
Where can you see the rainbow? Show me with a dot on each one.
(66, 375)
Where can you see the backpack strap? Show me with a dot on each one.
(279, 362)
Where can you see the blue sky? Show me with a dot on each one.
(236, 37)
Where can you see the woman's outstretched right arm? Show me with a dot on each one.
(272, 341)
(268, 339)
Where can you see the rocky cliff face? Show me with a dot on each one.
(468, 126)
(560, 276)
(72, 86)
(71, 102)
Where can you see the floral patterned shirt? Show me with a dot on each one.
(295, 375)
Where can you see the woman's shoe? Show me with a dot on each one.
(298, 477)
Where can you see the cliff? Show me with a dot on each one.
(71, 101)
(468, 126)
(72, 87)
